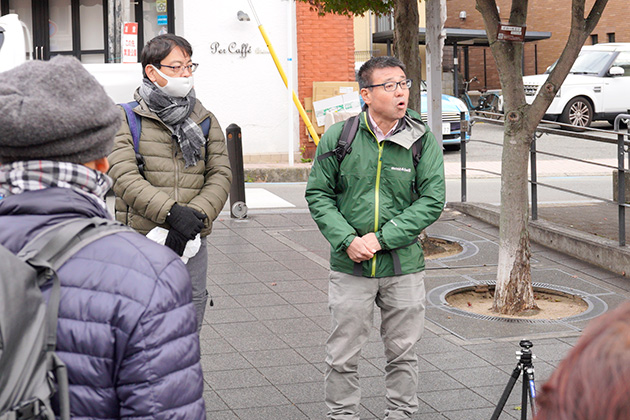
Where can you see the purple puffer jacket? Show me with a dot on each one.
(127, 327)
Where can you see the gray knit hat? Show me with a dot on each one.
(55, 110)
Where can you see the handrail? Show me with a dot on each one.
(591, 134)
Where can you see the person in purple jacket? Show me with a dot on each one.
(126, 329)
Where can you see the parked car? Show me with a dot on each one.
(596, 88)
(452, 108)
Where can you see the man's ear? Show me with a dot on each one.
(149, 70)
(366, 94)
(101, 165)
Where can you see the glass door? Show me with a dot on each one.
(64, 27)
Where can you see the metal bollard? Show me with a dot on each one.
(238, 208)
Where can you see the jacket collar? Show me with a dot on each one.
(408, 130)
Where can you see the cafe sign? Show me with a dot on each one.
(512, 33)
(232, 48)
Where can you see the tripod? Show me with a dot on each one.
(525, 357)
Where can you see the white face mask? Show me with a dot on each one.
(178, 87)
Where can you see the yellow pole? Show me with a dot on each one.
(296, 101)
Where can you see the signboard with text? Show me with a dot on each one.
(129, 41)
(511, 33)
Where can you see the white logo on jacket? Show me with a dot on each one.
(397, 168)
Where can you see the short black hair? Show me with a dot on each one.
(365, 72)
(159, 47)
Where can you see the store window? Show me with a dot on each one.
(80, 27)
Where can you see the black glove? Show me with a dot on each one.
(176, 241)
(185, 220)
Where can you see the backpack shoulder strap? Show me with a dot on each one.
(135, 122)
(416, 148)
(344, 144)
(205, 127)
(135, 127)
(50, 249)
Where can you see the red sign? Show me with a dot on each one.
(129, 42)
(130, 28)
(511, 33)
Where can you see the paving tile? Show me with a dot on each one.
(262, 396)
(488, 375)
(245, 343)
(282, 326)
(235, 329)
(275, 312)
(303, 392)
(292, 374)
(220, 316)
(262, 299)
(223, 361)
(236, 378)
(454, 360)
(456, 399)
(435, 381)
(213, 401)
(276, 357)
(288, 412)
(214, 346)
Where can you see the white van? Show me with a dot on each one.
(596, 88)
(15, 42)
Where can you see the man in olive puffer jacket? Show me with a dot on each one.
(186, 177)
(371, 207)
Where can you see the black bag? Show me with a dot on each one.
(30, 371)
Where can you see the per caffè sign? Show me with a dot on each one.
(232, 48)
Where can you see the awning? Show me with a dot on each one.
(457, 36)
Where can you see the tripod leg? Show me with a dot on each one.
(506, 393)
(529, 372)
(524, 397)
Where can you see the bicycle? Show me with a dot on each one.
(487, 104)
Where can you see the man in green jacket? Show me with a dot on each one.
(371, 207)
(186, 177)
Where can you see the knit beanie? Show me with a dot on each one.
(55, 110)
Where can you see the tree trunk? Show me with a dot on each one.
(406, 42)
(514, 292)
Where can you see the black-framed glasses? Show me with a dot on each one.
(180, 69)
(392, 86)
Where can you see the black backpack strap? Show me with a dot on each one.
(50, 249)
(344, 144)
(416, 149)
(47, 252)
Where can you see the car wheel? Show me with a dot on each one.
(578, 113)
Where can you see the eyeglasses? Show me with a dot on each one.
(392, 86)
(180, 69)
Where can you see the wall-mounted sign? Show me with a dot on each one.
(511, 33)
(162, 20)
(160, 6)
(233, 48)
(129, 41)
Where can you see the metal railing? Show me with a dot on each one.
(589, 134)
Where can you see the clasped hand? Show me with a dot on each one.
(363, 248)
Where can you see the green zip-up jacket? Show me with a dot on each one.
(377, 189)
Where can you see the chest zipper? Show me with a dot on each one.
(377, 198)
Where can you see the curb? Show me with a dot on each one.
(277, 174)
(602, 252)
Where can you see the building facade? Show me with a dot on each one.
(237, 78)
(542, 15)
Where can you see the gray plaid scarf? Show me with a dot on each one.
(175, 113)
(32, 175)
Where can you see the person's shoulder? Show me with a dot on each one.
(131, 249)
